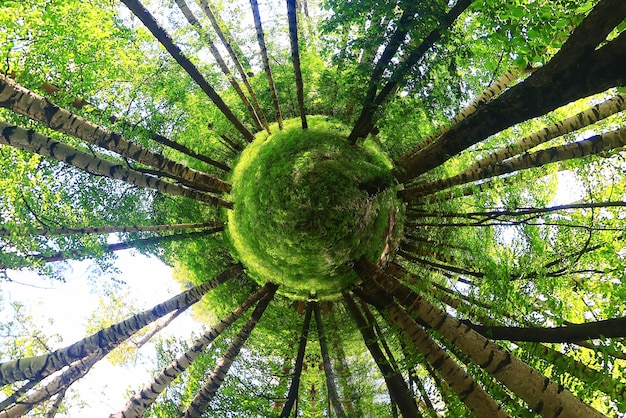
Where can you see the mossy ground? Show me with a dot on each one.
(300, 217)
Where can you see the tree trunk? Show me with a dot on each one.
(365, 123)
(142, 399)
(494, 89)
(193, 21)
(164, 38)
(32, 141)
(295, 58)
(172, 144)
(266, 62)
(227, 41)
(11, 399)
(577, 70)
(580, 120)
(592, 146)
(346, 378)
(38, 367)
(292, 395)
(25, 102)
(603, 382)
(331, 387)
(398, 390)
(57, 403)
(119, 246)
(110, 229)
(214, 381)
(467, 389)
(608, 328)
(60, 384)
(542, 394)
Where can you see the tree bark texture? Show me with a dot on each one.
(542, 394)
(215, 380)
(23, 101)
(164, 38)
(32, 141)
(266, 61)
(38, 367)
(141, 400)
(295, 58)
(294, 387)
(398, 390)
(577, 70)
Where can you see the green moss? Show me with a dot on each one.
(300, 218)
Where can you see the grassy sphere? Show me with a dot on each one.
(302, 215)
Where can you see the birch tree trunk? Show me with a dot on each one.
(23, 101)
(295, 58)
(266, 61)
(111, 229)
(398, 390)
(228, 42)
(593, 146)
(333, 393)
(32, 141)
(193, 21)
(542, 394)
(292, 395)
(119, 246)
(493, 90)
(164, 38)
(202, 399)
(142, 399)
(39, 367)
(364, 123)
(577, 70)
(76, 371)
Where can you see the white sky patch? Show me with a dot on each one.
(569, 189)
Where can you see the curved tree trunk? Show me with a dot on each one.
(32, 141)
(23, 101)
(542, 394)
(227, 41)
(193, 21)
(164, 38)
(333, 395)
(292, 17)
(110, 229)
(292, 395)
(141, 400)
(201, 401)
(266, 62)
(398, 390)
(577, 70)
(38, 367)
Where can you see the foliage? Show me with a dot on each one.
(300, 218)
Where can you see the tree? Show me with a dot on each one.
(426, 183)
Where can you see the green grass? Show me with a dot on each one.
(300, 219)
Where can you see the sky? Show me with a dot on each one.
(69, 304)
